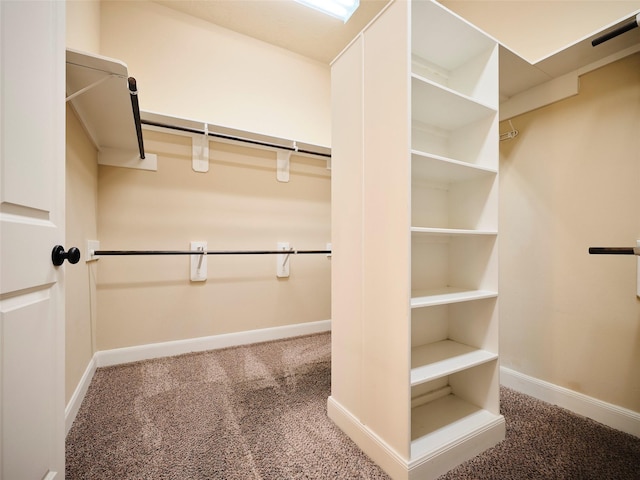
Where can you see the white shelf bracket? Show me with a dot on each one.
(282, 260)
(282, 165)
(92, 85)
(92, 246)
(199, 262)
(200, 151)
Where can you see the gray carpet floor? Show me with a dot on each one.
(259, 412)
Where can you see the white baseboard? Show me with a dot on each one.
(606, 413)
(78, 395)
(381, 453)
(117, 356)
(428, 465)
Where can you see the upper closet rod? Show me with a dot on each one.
(133, 91)
(630, 25)
(234, 138)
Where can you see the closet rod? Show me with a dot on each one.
(614, 250)
(233, 138)
(133, 91)
(208, 252)
(625, 27)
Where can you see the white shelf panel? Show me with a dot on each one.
(441, 107)
(105, 109)
(439, 359)
(444, 421)
(443, 296)
(446, 170)
(451, 232)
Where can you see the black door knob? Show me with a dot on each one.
(58, 255)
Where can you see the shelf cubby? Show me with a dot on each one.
(449, 408)
(453, 205)
(444, 108)
(447, 338)
(453, 264)
(465, 62)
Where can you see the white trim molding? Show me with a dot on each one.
(425, 466)
(117, 356)
(608, 414)
(76, 399)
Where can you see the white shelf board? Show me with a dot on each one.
(105, 109)
(438, 424)
(441, 107)
(439, 359)
(98, 91)
(451, 232)
(446, 170)
(443, 296)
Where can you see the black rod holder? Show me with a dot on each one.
(614, 250)
(630, 25)
(235, 139)
(209, 252)
(133, 91)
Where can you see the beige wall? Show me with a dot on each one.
(571, 180)
(237, 205)
(189, 68)
(83, 25)
(81, 209)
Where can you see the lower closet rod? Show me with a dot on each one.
(209, 252)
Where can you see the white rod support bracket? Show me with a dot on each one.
(282, 165)
(92, 85)
(200, 151)
(282, 260)
(92, 246)
(198, 262)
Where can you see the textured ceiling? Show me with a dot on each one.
(284, 23)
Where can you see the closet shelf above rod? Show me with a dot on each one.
(160, 121)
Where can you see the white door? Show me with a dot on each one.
(32, 117)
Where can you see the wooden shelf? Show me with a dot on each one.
(444, 421)
(448, 295)
(443, 358)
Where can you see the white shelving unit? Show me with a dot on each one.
(415, 236)
(454, 176)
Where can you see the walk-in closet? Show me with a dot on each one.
(237, 231)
